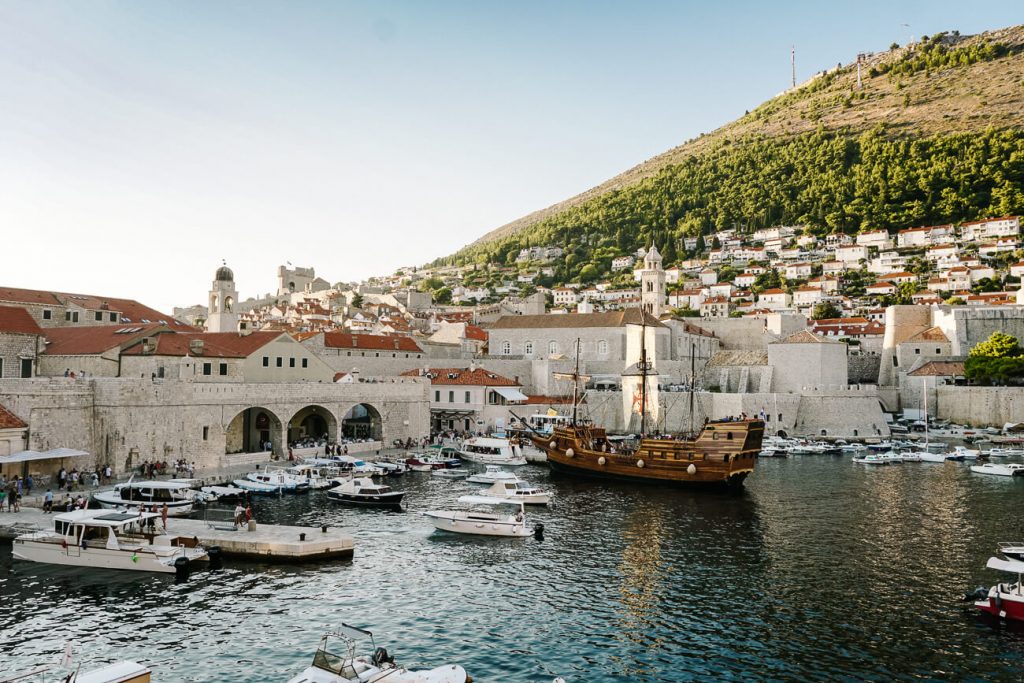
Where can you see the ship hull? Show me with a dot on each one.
(733, 483)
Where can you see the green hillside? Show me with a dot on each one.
(935, 134)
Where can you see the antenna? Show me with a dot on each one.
(860, 59)
(792, 63)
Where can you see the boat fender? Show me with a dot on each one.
(216, 556)
(538, 531)
(692, 469)
(181, 568)
(979, 593)
(569, 453)
(601, 460)
(640, 463)
(552, 444)
(998, 600)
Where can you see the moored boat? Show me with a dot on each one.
(364, 491)
(451, 473)
(872, 459)
(1007, 470)
(492, 474)
(492, 450)
(281, 480)
(480, 523)
(1003, 600)
(519, 490)
(177, 496)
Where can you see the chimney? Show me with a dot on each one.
(195, 347)
(149, 345)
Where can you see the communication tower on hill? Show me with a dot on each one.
(792, 63)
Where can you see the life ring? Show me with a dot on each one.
(601, 460)
(569, 452)
(640, 463)
(692, 469)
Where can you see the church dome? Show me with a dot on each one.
(224, 274)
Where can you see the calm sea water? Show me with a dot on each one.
(822, 571)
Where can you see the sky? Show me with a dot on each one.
(143, 143)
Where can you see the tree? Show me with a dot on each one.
(998, 345)
(825, 310)
(357, 301)
(996, 360)
(443, 296)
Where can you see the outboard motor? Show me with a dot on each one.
(979, 593)
(181, 568)
(216, 557)
(381, 657)
(538, 532)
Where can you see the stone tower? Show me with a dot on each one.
(223, 298)
(652, 283)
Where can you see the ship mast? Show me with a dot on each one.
(576, 384)
(643, 366)
(693, 377)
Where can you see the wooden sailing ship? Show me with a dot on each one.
(721, 455)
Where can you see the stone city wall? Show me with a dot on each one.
(979, 406)
(863, 368)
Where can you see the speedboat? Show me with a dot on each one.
(283, 481)
(1012, 550)
(348, 667)
(492, 451)
(484, 523)
(492, 474)
(364, 491)
(451, 473)
(872, 459)
(1003, 600)
(256, 487)
(177, 496)
(519, 490)
(1007, 470)
(893, 457)
(391, 469)
(966, 453)
(318, 477)
(425, 462)
(111, 540)
(125, 671)
(357, 466)
(998, 452)
(223, 493)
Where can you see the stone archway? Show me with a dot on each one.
(251, 429)
(362, 421)
(313, 421)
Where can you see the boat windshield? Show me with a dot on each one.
(336, 664)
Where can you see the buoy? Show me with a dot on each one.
(640, 463)
(692, 469)
(569, 453)
(601, 460)
(552, 444)
(181, 568)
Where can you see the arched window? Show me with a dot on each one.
(602, 347)
(228, 302)
(506, 348)
(528, 348)
(552, 347)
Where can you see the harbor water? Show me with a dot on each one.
(822, 570)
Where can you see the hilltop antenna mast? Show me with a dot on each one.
(860, 59)
(792, 63)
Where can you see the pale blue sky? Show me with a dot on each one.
(142, 142)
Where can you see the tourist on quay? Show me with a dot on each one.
(239, 515)
(248, 512)
(95, 479)
(28, 485)
(12, 497)
(48, 501)
(74, 479)
(163, 516)
(62, 477)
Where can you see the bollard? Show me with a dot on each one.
(302, 536)
(323, 528)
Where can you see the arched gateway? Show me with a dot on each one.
(362, 421)
(254, 430)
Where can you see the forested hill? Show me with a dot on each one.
(935, 134)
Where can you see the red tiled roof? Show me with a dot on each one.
(773, 291)
(477, 333)
(131, 311)
(370, 342)
(17, 321)
(989, 220)
(95, 339)
(551, 400)
(939, 368)
(463, 376)
(9, 420)
(215, 344)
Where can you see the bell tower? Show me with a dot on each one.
(223, 299)
(652, 284)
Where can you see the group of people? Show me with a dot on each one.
(11, 492)
(70, 480)
(243, 515)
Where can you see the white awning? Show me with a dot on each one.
(1002, 565)
(26, 456)
(511, 394)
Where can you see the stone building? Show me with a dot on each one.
(804, 360)
(469, 400)
(60, 309)
(13, 432)
(222, 316)
(652, 284)
(21, 341)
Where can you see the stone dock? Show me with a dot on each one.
(262, 542)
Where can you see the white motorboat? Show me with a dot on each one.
(318, 477)
(1001, 470)
(119, 672)
(872, 459)
(1013, 550)
(223, 493)
(910, 456)
(894, 457)
(490, 450)
(484, 523)
(519, 490)
(177, 496)
(111, 540)
(364, 491)
(281, 480)
(929, 456)
(348, 667)
(390, 469)
(357, 466)
(257, 487)
(451, 473)
(492, 474)
(998, 452)
(967, 453)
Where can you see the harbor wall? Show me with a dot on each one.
(980, 406)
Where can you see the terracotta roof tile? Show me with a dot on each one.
(17, 321)
(477, 333)
(215, 344)
(628, 316)
(130, 310)
(9, 420)
(478, 377)
(95, 339)
(370, 342)
(932, 334)
(939, 368)
(805, 337)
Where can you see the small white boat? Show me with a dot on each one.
(519, 490)
(998, 452)
(110, 540)
(893, 457)
(872, 459)
(280, 480)
(390, 469)
(489, 450)
(484, 523)
(910, 456)
(216, 493)
(967, 453)
(119, 672)
(364, 491)
(318, 477)
(1007, 470)
(257, 487)
(492, 474)
(425, 462)
(177, 496)
(357, 466)
(451, 473)
(929, 456)
(348, 667)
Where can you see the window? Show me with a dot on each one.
(305, 362)
(467, 397)
(206, 433)
(280, 362)
(451, 397)
(113, 317)
(266, 361)
(291, 362)
(26, 367)
(895, 362)
(47, 314)
(552, 347)
(493, 398)
(207, 368)
(917, 352)
(938, 352)
(99, 315)
(1, 367)
(506, 348)
(528, 348)
(223, 369)
(602, 347)
(437, 397)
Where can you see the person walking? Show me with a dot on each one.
(163, 516)
(48, 501)
(239, 515)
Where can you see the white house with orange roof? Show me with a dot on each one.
(853, 253)
(806, 296)
(470, 400)
(774, 299)
(991, 228)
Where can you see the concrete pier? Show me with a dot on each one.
(267, 542)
